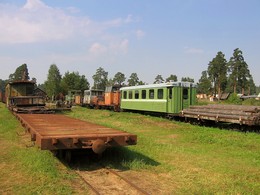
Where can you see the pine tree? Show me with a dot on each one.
(52, 85)
(239, 72)
(158, 79)
(172, 78)
(21, 74)
(204, 85)
(119, 78)
(100, 79)
(133, 80)
(217, 71)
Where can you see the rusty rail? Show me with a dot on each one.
(98, 191)
(129, 182)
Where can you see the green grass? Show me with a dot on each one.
(177, 158)
(28, 170)
(197, 159)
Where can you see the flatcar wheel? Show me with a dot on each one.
(68, 156)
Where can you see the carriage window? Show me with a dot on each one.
(125, 95)
(170, 93)
(143, 94)
(130, 95)
(160, 94)
(151, 94)
(185, 94)
(136, 94)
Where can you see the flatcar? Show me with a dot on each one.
(58, 133)
(167, 98)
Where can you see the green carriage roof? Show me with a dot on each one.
(161, 85)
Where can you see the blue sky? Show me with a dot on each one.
(146, 37)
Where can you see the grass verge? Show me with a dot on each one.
(173, 157)
(184, 158)
(25, 169)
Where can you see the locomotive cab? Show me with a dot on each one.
(112, 95)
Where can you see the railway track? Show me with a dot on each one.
(104, 180)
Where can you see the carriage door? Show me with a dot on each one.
(169, 100)
(185, 97)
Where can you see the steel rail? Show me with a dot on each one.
(127, 181)
(116, 174)
(88, 184)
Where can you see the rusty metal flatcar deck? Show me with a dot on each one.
(54, 132)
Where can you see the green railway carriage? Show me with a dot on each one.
(170, 98)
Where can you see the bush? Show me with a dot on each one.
(234, 99)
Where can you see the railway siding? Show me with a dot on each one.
(59, 132)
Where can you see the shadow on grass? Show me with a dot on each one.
(120, 158)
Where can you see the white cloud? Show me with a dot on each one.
(34, 5)
(73, 10)
(113, 47)
(73, 41)
(140, 34)
(35, 22)
(129, 19)
(124, 45)
(119, 21)
(191, 50)
(97, 49)
(38, 22)
(119, 47)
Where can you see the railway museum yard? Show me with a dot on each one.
(137, 98)
(170, 157)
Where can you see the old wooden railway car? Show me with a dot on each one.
(21, 97)
(167, 98)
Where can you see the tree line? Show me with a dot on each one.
(56, 83)
(227, 76)
(220, 76)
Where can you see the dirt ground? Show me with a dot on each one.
(107, 183)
